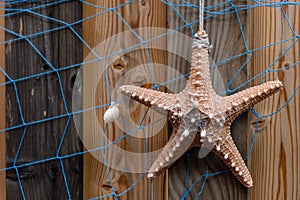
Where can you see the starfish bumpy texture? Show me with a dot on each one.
(199, 116)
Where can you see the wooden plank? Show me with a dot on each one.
(137, 14)
(275, 157)
(2, 108)
(225, 36)
(41, 98)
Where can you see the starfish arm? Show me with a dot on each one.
(199, 78)
(178, 144)
(228, 152)
(239, 102)
(157, 100)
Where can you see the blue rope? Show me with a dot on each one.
(226, 7)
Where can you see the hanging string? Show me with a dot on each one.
(201, 15)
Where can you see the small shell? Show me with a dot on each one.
(111, 113)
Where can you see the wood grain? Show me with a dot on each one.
(275, 160)
(225, 36)
(41, 98)
(122, 68)
(2, 108)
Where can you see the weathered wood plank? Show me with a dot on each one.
(2, 108)
(41, 98)
(138, 14)
(225, 36)
(275, 157)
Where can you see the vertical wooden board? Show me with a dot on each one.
(40, 99)
(2, 107)
(122, 68)
(225, 36)
(275, 159)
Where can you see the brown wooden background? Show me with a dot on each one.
(40, 98)
(274, 162)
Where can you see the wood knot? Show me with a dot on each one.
(259, 124)
(54, 169)
(120, 63)
(143, 2)
(23, 172)
(286, 65)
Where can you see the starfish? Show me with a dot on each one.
(199, 116)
